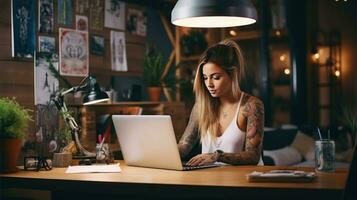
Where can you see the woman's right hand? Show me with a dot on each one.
(203, 159)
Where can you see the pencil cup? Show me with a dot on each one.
(325, 156)
(103, 153)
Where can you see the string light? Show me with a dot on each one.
(233, 33)
(282, 58)
(337, 73)
(277, 33)
(287, 71)
(315, 57)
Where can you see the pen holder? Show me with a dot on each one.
(103, 153)
(325, 156)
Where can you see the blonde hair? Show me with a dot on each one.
(227, 55)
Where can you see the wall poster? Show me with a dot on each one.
(73, 52)
(23, 28)
(45, 16)
(46, 44)
(81, 22)
(118, 51)
(114, 14)
(82, 6)
(136, 21)
(96, 14)
(97, 45)
(46, 84)
(65, 13)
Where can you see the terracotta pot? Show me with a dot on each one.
(9, 152)
(154, 93)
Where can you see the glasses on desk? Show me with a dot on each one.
(36, 163)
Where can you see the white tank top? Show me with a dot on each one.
(231, 141)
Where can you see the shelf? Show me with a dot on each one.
(250, 35)
(108, 72)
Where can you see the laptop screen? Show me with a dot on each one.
(147, 141)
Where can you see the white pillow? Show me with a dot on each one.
(284, 156)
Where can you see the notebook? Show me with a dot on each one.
(149, 141)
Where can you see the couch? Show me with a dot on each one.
(293, 146)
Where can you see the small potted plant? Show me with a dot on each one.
(153, 68)
(14, 121)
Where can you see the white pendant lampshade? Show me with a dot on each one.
(213, 13)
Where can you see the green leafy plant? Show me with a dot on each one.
(14, 119)
(349, 119)
(153, 67)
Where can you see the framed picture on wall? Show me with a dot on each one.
(65, 12)
(118, 51)
(114, 14)
(81, 23)
(46, 44)
(136, 21)
(73, 52)
(97, 45)
(46, 84)
(45, 16)
(23, 28)
(96, 15)
(82, 6)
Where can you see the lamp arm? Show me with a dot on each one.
(69, 120)
(71, 123)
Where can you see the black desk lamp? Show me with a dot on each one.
(93, 94)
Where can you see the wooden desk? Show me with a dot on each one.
(228, 182)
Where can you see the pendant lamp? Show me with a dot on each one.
(213, 13)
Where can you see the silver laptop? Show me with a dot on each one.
(149, 141)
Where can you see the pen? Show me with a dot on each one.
(99, 138)
(101, 144)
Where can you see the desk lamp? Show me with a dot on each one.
(93, 94)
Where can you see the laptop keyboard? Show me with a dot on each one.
(187, 167)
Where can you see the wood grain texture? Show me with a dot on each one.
(147, 183)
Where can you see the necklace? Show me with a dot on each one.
(225, 114)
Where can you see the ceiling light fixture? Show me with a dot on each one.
(213, 13)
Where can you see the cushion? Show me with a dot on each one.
(305, 145)
(284, 156)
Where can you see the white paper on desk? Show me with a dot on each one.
(94, 169)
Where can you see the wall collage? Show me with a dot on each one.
(73, 22)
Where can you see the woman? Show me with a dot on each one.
(228, 122)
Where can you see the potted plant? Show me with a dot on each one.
(13, 124)
(349, 120)
(153, 68)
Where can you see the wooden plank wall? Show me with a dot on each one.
(17, 75)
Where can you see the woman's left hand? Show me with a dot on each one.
(203, 159)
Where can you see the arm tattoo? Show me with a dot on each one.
(254, 113)
(190, 136)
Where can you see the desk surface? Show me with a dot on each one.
(226, 178)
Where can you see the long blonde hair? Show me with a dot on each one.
(229, 57)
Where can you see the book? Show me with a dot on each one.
(282, 176)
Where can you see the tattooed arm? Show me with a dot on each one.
(254, 113)
(190, 136)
